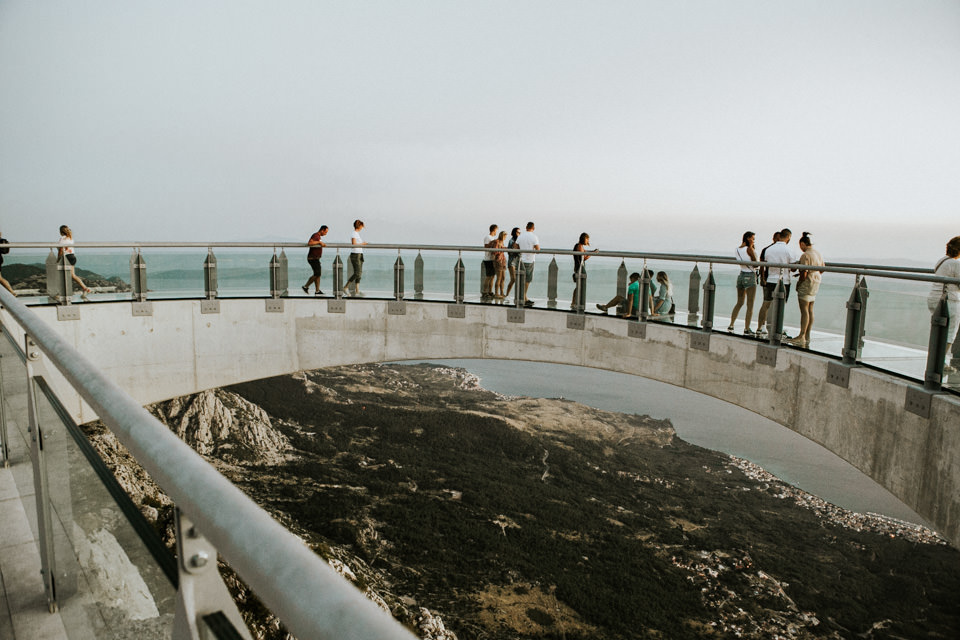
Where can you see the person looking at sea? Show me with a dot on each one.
(513, 259)
(316, 245)
(948, 267)
(489, 268)
(808, 283)
(356, 259)
(528, 243)
(746, 282)
(66, 250)
(578, 263)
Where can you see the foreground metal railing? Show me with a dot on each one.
(213, 516)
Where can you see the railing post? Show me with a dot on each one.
(853, 332)
(709, 300)
(775, 318)
(644, 293)
(138, 276)
(552, 274)
(398, 278)
(40, 480)
(59, 280)
(278, 275)
(203, 602)
(864, 296)
(284, 273)
(4, 446)
(459, 279)
(580, 289)
(693, 298)
(937, 349)
(337, 276)
(418, 277)
(210, 275)
(622, 287)
(519, 296)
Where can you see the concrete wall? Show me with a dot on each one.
(178, 350)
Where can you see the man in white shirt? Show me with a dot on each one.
(489, 268)
(528, 242)
(777, 253)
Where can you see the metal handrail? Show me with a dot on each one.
(898, 273)
(311, 599)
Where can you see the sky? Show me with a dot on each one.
(653, 126)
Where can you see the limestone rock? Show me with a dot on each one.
(222, 424)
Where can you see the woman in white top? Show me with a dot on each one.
(66, 249)
(356, 259)
(948, 266)
(746, 283)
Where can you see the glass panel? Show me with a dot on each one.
(106, 579)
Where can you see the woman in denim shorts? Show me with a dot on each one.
(746, 283)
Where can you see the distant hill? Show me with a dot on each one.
(34, 276)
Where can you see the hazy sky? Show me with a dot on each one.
(659, 126)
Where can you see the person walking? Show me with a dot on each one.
(66, 250)
(512, 259)
(746, 282)
(528, 243)
(578, 263)
(316, 245)
(3, 252)
(500, 265)
(489, 268)
(808, 283)
(948, 267)
(356, 259)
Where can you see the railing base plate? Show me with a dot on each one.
(516, 315)
(918, 401)
(700, 340)
(637, 330)
(68, 312)
(396, 308)
(575, 322)
(456, 311)
(838, 374)
(274, 305)
(142, 309)
(209, 306)
(767, 355)
(336, 306)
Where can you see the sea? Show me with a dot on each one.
(896, 315)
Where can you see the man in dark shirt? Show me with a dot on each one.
(762, 316)
(316, 245)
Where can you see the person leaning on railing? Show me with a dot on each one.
(948, 266)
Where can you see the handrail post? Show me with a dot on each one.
(4, 446)
(776, 314)
(62, 290)
(459, 279)
(937, 349)
(552, 274)
(622, 287)
(693, 298)
(853, 330)
(864, 296)
(278, 275)
(709, 300)
(138, 276)
(337, 276)
(41, 484)
(520, 294)
(284, 273)
(418, 277)
(210, 275)
(201, 594)
(580, 289)
(644, 293)
(398, 277)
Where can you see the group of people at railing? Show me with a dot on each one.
(659, 301)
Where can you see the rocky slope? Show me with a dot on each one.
(472, 515)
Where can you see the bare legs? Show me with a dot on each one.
(6, 285)
(513, 278)
(498, 285)
(744, 294)
(77, 279)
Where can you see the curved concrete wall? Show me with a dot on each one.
(179, 350)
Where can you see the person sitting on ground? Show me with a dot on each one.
(948, 267)
(632, 299)
(662, 305)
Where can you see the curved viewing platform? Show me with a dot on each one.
(197, 316)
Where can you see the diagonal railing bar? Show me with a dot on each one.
(305, 593)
